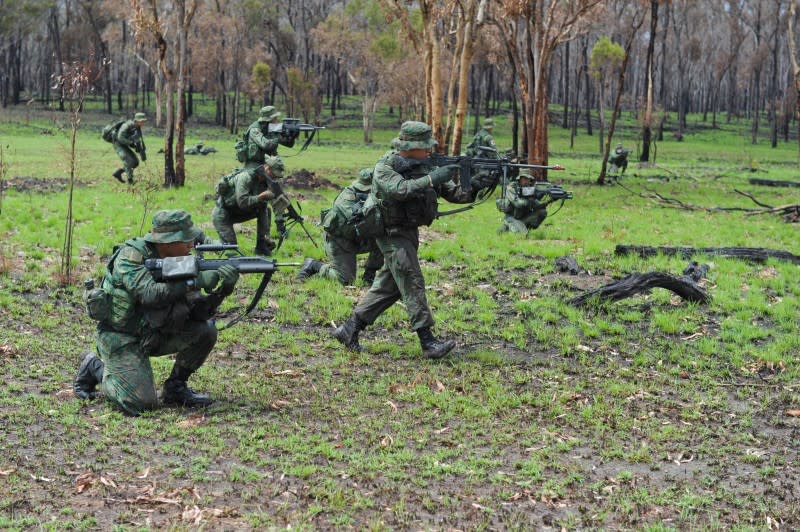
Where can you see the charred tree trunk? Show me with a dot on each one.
(749, 254)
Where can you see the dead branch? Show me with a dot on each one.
(637, 283)
(773, 182)
(750, 254)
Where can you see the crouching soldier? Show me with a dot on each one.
(140, 317)
(522, 210)
(343, 244)
(245, 196)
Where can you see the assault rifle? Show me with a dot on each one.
(495, 167)
(541, 190)
(291, 128)
(187, 268)
(281, 204)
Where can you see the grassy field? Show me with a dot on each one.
(649, 413)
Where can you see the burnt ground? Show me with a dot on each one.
(37, 184)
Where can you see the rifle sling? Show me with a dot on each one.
(256, 298)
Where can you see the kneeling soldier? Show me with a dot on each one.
(146, 318)
(523, 211)
(342, 242)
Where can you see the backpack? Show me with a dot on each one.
(241, 149)
(109, 133)
(225, 187)
(368, 221)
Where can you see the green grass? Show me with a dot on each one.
(649, 413)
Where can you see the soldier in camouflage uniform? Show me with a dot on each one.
(199, 149)
(342, 242)
(522, 210)
(407, 193)
(148, 318)
(129, 138)
(246, 198)
(261, 142)
(483, 138)
(619, 160)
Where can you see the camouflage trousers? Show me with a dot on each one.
(342, 258)
(128, 376)
(400, 278)
(129, 159)
(224, 219)
(517, 225)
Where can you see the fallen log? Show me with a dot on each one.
(750, 254)
(637, 283)
(773, 182)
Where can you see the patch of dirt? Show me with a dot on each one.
(307, 180)
(37, 184)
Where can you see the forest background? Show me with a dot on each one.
(649, 413)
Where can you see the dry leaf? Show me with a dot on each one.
(144, 473)
(84, 480)
(386, 441)
(192, 421)
(287, 372)
(6, 472)
(391, 405)
(793, 413)
(107, 482)
(438, 387)
(278, 405)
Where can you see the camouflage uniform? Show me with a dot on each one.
(619, 160)
(261, 142)
(149, 318)
(483, 138)
(129, 138)
(408, 201)
(244, 201)
(522, 211)
(199, 149)
(342, 242)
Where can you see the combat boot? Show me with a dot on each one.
(118, 174)
(310, 267)
(90, 374)
(347, 333)
(177, 392)
(431, 347)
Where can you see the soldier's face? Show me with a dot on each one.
(417, 153)
(174, 249)
(138, 123)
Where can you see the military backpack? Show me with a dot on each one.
(109, 133)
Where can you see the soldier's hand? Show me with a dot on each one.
(207, 280)
(266, 195)
(443, 174)
(228, 276)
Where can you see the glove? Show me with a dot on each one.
(271, 147)
(443, 174)
(207, 280)
(228, 275)
(266, 195)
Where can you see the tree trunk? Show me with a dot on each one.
(647, 119)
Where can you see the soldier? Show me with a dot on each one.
(406, 191)
(522, 210)
(619, 160)
(245, 198)
(199, 149)
(342, 242)
(129, 138)
(483, 139)
(147, 318)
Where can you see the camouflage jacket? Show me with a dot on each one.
(264, 142)
(129, 135)
(243, 195)
(482, 138)
(518, 204)
(408, 199)
(338, 220)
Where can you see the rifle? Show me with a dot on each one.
(187, 267)
(466, 164)
(291, 128)
(282, 203)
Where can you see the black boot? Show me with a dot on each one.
(118, 174)
(369, 276)
(310, 267)
(347, 333)
(177, 392)
(90, 374)
(431, 347)
(265, 247)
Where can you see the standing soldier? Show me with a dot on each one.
(129, 138)
(522, 210)
(342, 242)
(243, 197)
(141, 318)
(406, 189)
(483, 139)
